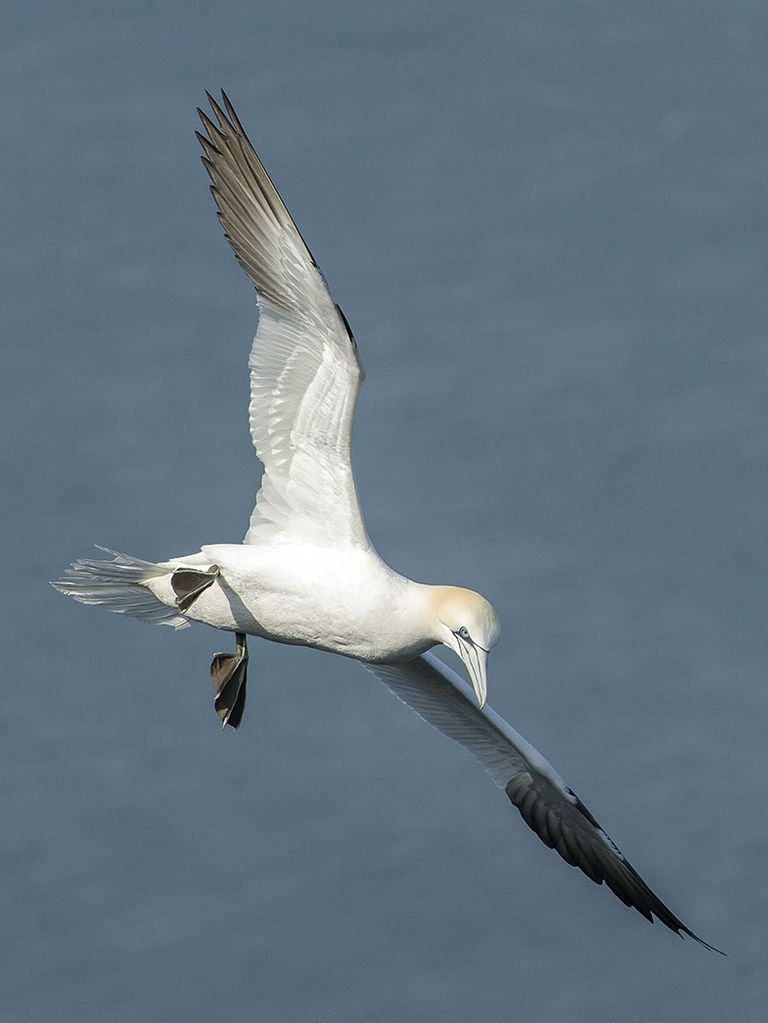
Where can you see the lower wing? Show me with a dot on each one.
(547, 805)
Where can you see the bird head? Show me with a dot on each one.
(468, 625)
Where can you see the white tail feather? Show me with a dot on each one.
(120, 585)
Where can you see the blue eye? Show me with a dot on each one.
(463, 632)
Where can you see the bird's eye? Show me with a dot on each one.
(464, 632)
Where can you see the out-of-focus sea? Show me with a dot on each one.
(548, 226)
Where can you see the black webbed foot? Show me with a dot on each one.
(189, 583)
(228, 674)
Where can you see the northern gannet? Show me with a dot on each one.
(306, 572)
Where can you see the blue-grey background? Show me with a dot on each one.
(548, 226)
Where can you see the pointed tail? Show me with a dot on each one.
(121, 586)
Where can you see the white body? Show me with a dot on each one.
(345, 601)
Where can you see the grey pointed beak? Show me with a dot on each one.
(475, 658)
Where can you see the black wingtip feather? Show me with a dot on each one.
(617, 873)
(216, 108)
(234, 119)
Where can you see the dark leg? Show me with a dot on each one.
(228, 674)
(189, 583)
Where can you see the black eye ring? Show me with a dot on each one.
(463, 632)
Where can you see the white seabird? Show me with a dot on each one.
(306, 572)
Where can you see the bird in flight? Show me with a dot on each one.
(306, 572)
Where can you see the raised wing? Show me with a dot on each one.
(546, 803)
(305, 373)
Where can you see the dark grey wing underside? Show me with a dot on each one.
(547, 805)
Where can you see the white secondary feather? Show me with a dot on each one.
(305, 373)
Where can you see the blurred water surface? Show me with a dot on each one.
(548, 227)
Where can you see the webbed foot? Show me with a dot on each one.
(189, 583)
(228, 674)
